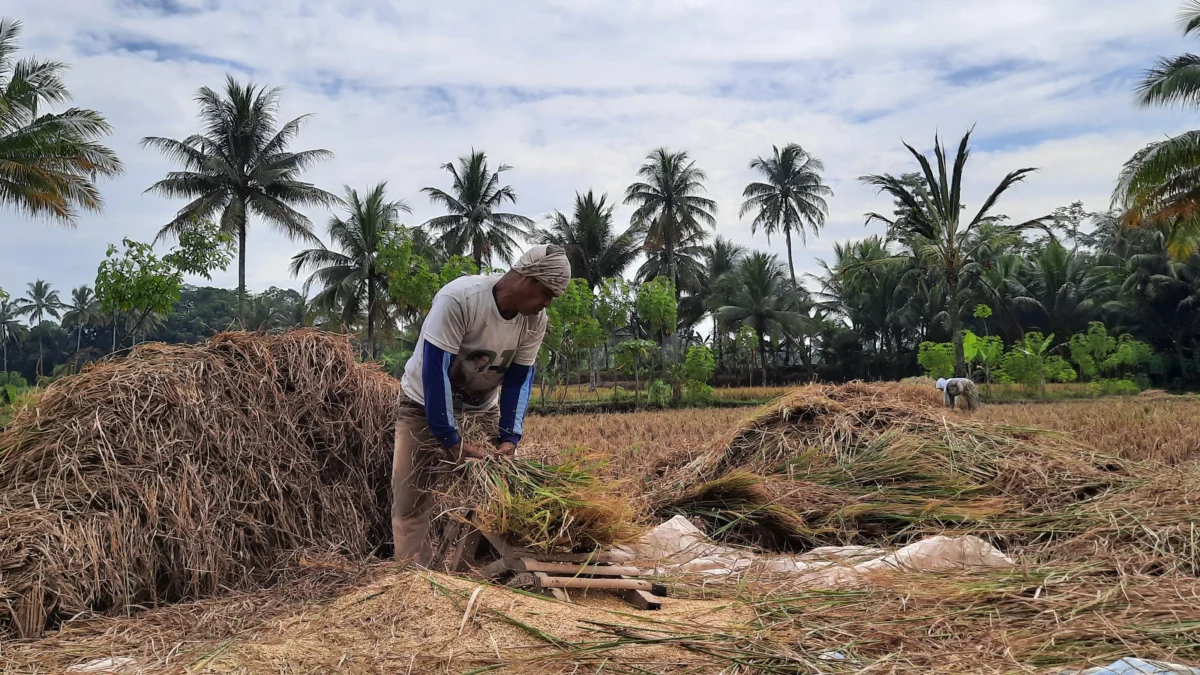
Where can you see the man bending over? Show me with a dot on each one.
(474, 358)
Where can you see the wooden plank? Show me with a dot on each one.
(547, 581)
(580, 558)
(641, 599)
(572, 569)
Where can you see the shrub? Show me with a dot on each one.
(1109, 387)
(659, 393)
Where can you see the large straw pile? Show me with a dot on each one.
(181, 472)
(882, 464)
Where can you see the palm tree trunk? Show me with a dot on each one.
(637, 383)
(370, 320)
(787, 234)
(956, 333)
(762, 355)
(242, 267)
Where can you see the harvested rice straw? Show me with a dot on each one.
(538, 505)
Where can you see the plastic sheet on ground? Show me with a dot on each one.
(1134, 666)
(678, 546)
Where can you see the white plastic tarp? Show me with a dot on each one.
(679, 546)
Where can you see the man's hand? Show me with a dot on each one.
(507, 448)
(464, 451)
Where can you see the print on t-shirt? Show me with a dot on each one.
(474, 379)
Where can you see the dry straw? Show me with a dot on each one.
(184, 471)
(884, 463)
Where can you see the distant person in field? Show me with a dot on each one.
(474, 359)
(959, 386)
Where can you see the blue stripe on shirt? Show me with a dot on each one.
(514, 401)
(439, 401)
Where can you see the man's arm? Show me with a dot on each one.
(439, 403)
(517, 386)
(514, 401)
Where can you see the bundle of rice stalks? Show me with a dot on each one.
(883, 464)
(184, 471)
(540, 505)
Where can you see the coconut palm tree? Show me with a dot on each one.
(83, 311)
(472, 225)
(240, 165)
(40, 301)
(791, 196)
(761, 300)
(669, 208)
(349, 279)
(48, 161)
(595, 250)
(933, 229)
(688, 254)
(262, 313)
(11, 329)
(1159, 186)
(720, 261)
(1060, 289)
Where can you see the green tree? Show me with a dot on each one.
(11, 329)
(656, 306)
(937, 358)
(744, 342)
(572, 329)
(1090, 349)
(40, 301)
(48, 161)
(472, 225)
(82, 312)
(1128, 354)
(791, 196)
(614, 307)
(595, 250)
(761, 301)
(1031, 363)
(668, 207)
(933, 228)
(986, 351)
(238, 165)
(1159, 187)
(351, 279)
(721, 259)
(1059, 289)
(414, 275)
(137, 284)
(261, 314)
(631, 354)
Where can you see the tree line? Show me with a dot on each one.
(1133, 268)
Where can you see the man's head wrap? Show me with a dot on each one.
(549, 265)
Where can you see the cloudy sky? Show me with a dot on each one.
(574, 93)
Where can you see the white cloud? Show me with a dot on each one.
(574, 94)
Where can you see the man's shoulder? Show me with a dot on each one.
(466, 287)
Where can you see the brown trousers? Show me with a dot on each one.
(416, 462)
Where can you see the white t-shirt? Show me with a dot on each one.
(465, 321)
